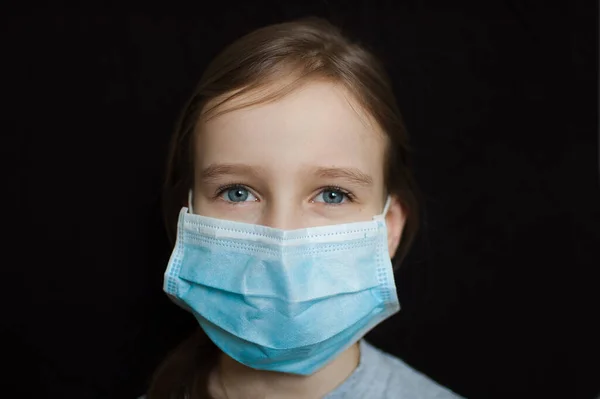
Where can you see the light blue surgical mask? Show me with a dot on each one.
(282, 300)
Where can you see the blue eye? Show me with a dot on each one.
(331, 196)
(237, 194)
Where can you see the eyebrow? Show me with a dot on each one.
(352, 175)
(214, 171)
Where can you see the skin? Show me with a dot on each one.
(311, 158)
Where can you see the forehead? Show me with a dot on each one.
(319, 123)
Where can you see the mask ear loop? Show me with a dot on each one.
(386, 207)
(190, 209)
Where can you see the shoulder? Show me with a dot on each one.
(383, 376)
(403, 381)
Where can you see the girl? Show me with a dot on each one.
(291, 161)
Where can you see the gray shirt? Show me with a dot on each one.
(382, 376)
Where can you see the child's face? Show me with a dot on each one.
(311, 158)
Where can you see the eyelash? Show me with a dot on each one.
(222, 189)
(347, 194)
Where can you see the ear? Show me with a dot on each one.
(395, 219)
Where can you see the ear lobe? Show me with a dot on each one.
(395, 219)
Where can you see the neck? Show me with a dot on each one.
(233, 380)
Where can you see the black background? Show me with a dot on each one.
(500, 99)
